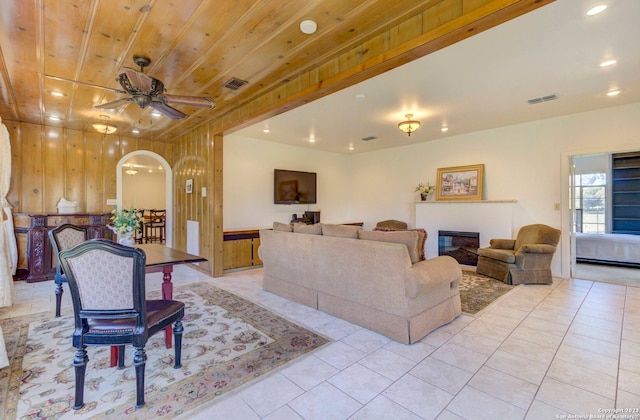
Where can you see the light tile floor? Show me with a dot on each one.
(540, 352)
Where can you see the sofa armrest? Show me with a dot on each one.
(428, 274)
(502, 243)
(536, 249)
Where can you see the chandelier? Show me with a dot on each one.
(409, 126)
(131, 171)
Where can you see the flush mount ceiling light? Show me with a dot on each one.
(596, 10)
(308, 27)
(409, 126)
(104, 128)
(131, 171)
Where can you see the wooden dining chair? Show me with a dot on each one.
(155, 227)
(107, 285)
(64, 237)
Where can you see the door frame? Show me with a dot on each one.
(168, 188)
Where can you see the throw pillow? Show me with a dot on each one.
(283, 227)
(422, 239)
(308, 229)
(406, 237)
(341, 231)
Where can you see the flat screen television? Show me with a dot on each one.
(294, 187)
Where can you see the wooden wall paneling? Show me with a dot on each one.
(14, 195)
(54, 164)
(94, 171)
(74, 170)
(31, 170)
(216, 197)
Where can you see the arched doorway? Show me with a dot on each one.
(168, 187)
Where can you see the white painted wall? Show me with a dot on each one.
(144, 190)
(248, 183)
(525, 162)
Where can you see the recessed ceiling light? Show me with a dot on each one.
(58, 94)
(360, 96)
(597, 9)
(444, 129)
(135, 131)
(608, 63)
(265, 130)
(614, 92)
(308, 26)
(312, 139)
(54, 118)
(351, 147)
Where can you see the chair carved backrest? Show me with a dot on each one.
(537, 234)
(64, 237)
(106, 281)
(157, 216)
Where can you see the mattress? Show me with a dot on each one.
(611, 247)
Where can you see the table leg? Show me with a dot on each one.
(167, 293)
(114, 356)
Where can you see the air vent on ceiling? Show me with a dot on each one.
(368, 138)
(234, 83)
(543, 99)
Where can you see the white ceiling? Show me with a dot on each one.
(482, 82)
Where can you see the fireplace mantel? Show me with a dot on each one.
(491, 218)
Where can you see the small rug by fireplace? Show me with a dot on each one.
(227, 342)
(478, 291)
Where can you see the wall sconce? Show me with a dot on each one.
(104, 128)
(131, 171)
(409, 126)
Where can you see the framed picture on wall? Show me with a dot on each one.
(460, 183)
(189, 186)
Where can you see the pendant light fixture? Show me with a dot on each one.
(409, 126)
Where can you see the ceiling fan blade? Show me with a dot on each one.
(114, 104)
(195, 101)
(48, 76)
(170, 112)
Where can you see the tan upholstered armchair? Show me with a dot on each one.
(526, 259)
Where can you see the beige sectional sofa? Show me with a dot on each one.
(368, 282)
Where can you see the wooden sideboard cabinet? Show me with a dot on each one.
(32, 237)
(240, 248)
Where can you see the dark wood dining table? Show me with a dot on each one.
(161, 258)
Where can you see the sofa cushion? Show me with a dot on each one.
(422, 238)
(283, 227)
(308, 229)
(406, 237)
(341, 231)
(505, 255)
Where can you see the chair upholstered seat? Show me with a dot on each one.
(527, 259)
(503, 255)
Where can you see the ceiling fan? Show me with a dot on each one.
(146, 91)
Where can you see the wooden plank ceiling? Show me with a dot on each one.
(196, 46)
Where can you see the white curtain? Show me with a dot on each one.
(8, 248)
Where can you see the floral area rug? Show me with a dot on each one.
(227, 342)
(478, 291)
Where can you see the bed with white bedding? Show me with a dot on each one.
(608, 248)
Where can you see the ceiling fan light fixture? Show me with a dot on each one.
(104, 128)
(409, 126)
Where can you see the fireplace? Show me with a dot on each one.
(462, 246)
